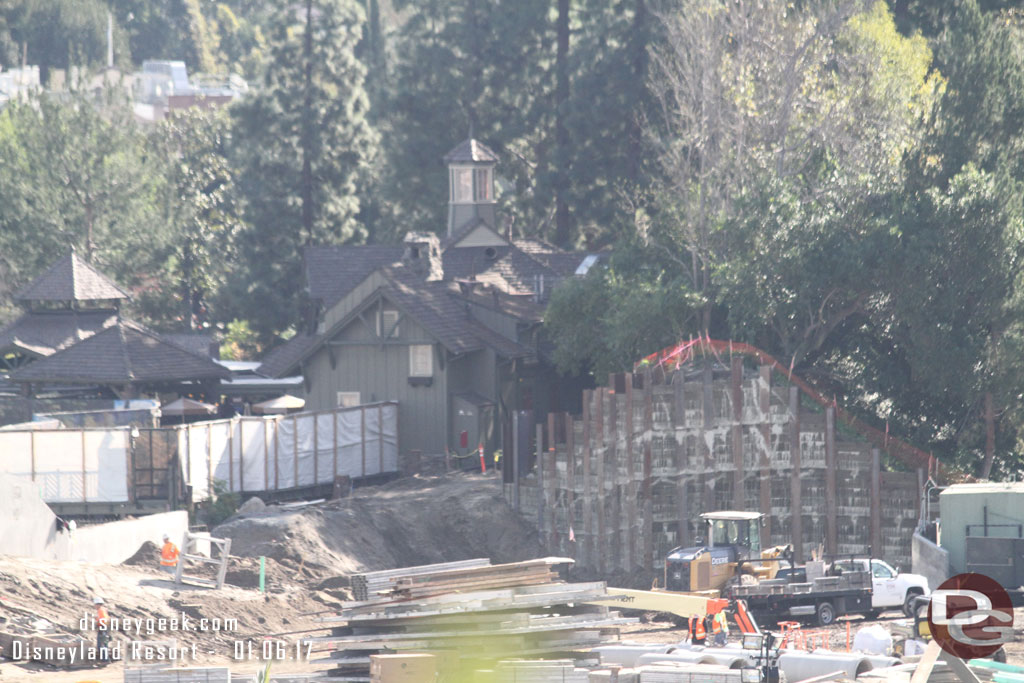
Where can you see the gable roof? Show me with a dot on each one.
(437, 306)
(123, 353)
(44, 332)
(71, 279)
(471, 150)
(333, 272)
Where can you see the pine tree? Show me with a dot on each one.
(303, 144)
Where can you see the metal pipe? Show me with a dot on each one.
(627, 655)
(797, 666)
(677, 656)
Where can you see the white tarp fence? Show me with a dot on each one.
(250, 454)
(70, 465)
(256, 454)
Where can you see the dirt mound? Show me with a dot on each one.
(416, 520)
(147, 555)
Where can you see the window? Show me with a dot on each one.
(462, 185)
(385, 321)
(483, 184)
(348, 399)
(880, 570)
(421, 360)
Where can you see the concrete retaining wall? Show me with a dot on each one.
(28, 529)
(929, 560)
(651, 451)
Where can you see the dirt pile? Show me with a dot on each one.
(148, 554)
(415, 520)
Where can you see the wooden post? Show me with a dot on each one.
(765, 405)
(277, 454)
(362, 435)
(613, 460)
(739, 495)
(541, 475)
(129, 466)
(334, 448)
(831, 523)
(602, 536)
(209, 459)
(316, 450)
(266, 456)
(876, 503)
(630, 547)
(570, 482)
(588, 489)
(515, 460)
(708, 402)
(32, 450)
(380, 436)
(682, 464)
(231, 456)
(551, 482)
(295, 449)
(84, 496)
(648, 525)
(796, 525)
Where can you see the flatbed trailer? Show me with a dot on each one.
(821, 600)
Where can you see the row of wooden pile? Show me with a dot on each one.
(469, 617)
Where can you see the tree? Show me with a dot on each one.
(197, 207)
(302, 145)
(74, 173)
(59, 34)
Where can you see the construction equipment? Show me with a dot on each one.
(735, 565)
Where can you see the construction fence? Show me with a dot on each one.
(247, 454)
(620, 486)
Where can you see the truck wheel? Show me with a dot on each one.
(826, 614)
(908, 602)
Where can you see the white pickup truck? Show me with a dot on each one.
(889, 588)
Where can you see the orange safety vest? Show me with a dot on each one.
(102, 618)
(169, 555)
(697, 628)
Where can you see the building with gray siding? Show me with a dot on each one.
(447, 327)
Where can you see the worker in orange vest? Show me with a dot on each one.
(720, 628)
(168, 556)
(102, 629)
(697, 632)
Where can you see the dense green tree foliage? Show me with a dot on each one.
(838, 182)
(302, 145)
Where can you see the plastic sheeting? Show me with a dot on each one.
(254, 454)
(70, 466)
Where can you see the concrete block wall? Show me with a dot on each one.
(651, 451)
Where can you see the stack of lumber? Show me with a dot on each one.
(367, 586)
(469, 617)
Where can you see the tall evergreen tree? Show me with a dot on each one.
(303, 144)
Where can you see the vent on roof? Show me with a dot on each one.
(490, 253)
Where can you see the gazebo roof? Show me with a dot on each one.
(71, 279)
(125, 353)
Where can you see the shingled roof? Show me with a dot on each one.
(44, 332)
(332, 272)
(71, 279)
(471, 150)
(124, 353)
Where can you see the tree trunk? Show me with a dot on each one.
(307, 129)
(562, 226)
(990, 436)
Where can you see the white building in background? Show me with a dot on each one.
(164, 86)
(18, 83)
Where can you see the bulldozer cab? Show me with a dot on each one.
(740, 531)
(733, 538)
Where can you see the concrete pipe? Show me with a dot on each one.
(798, 666)
(626, 655)
(677, 656)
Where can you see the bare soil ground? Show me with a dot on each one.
(310, 551)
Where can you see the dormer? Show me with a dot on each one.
(470, 184)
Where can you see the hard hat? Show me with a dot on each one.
(97, 600)
(166, 537)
